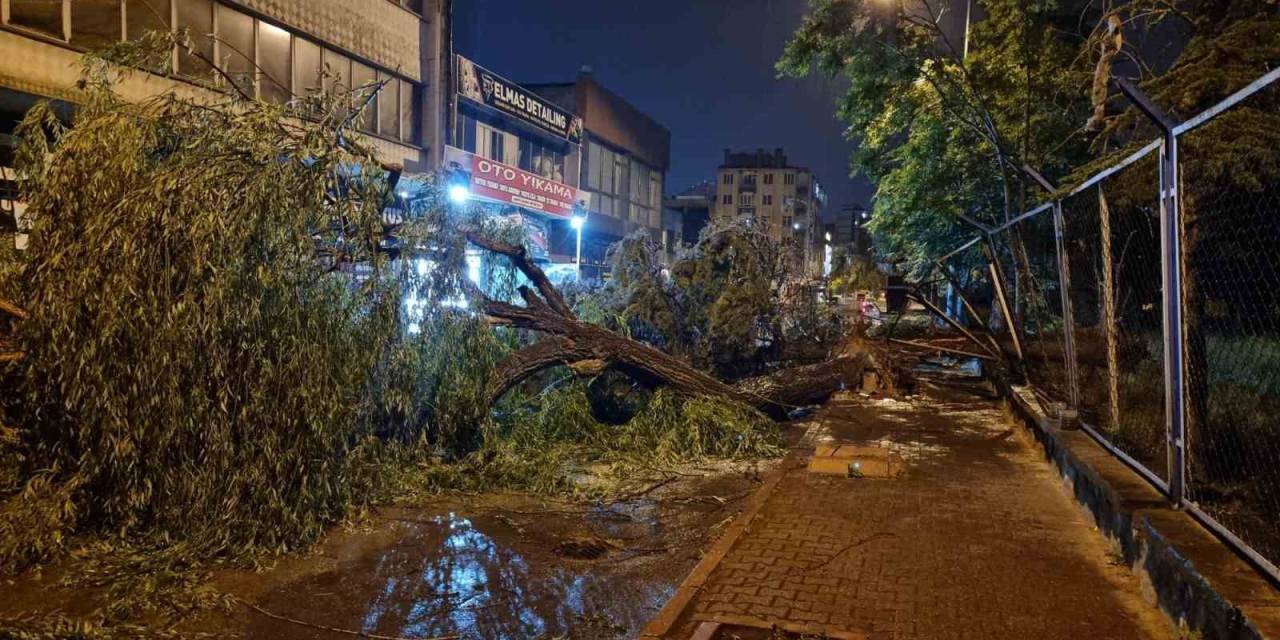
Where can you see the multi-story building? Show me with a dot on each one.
(692, 208)
(761, 190)
(273, 49)
(623, 158)
(517, 155)
(849, 230)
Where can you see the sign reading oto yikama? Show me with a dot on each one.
(503, 183)
(479, 85)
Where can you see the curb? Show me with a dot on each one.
(674, 610)
(1157, 541)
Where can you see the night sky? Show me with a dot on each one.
(703, 68)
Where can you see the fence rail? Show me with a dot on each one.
(1147, 299)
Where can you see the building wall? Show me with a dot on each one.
(772, 200)
(378, 33)
(380, 30)
(625, 157)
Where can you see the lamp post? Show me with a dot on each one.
(577, 222)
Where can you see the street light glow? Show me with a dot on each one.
(796, 226)
(577, 222)
(459, 194)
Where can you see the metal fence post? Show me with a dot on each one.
(1174, 369)
(1068, 315)
(997, 281)
(1175, 392)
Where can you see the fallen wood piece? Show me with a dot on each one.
(12, 309)
(934, 347)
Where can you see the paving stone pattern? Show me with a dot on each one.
(977, 539)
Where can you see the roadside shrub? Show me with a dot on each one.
(199, 349)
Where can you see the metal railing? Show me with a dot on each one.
(1147, 300)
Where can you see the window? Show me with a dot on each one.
(789, 179)
(275, 56)
(541, 159)
(786, 221)
(363, 83)
(768, 178)
(621, 175)
(766, 199)
(236, 54)
(389, 106)
(408, 112)
(142, 16)
(728, 178)
(747, 199)
(727, 199)
(496, 145)
(95, 23)
(197, 17)
(749, 179)
(44, 16)
(412, 5)
(337, 72)
(306, 67)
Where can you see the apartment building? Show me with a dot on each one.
(761, 190)
(273, 49)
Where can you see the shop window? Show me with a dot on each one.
(196, 16)
(142, 16)
(95, 23)
(364, 81)
(275, 57)
(236, 47)
(408, 112)
(389, 106)
(337, 72)
(306, 67)
(44, 16)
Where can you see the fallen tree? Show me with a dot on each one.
(590, 350)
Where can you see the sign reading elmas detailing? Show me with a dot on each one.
(492, 180)
(479, 85)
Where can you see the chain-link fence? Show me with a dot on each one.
(1185, 387)
(1230, 214)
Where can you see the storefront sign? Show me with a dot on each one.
(498, 182)
(479, 85)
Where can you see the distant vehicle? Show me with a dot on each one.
(869, 311)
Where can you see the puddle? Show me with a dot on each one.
(448, 575)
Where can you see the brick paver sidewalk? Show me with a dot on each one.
(977, 539)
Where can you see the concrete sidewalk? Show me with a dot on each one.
(975, 539)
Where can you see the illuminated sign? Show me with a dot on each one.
(498, 182)
(481, 86)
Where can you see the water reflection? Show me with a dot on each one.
(447, 576)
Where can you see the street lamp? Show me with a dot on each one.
(459, 194)
(577, 222)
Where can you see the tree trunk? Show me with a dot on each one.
(590, 348)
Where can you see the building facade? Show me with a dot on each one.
(761, 190)
(691, 209)
(272, 49)
(624, 158)
(849, 230)
(517, 154)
